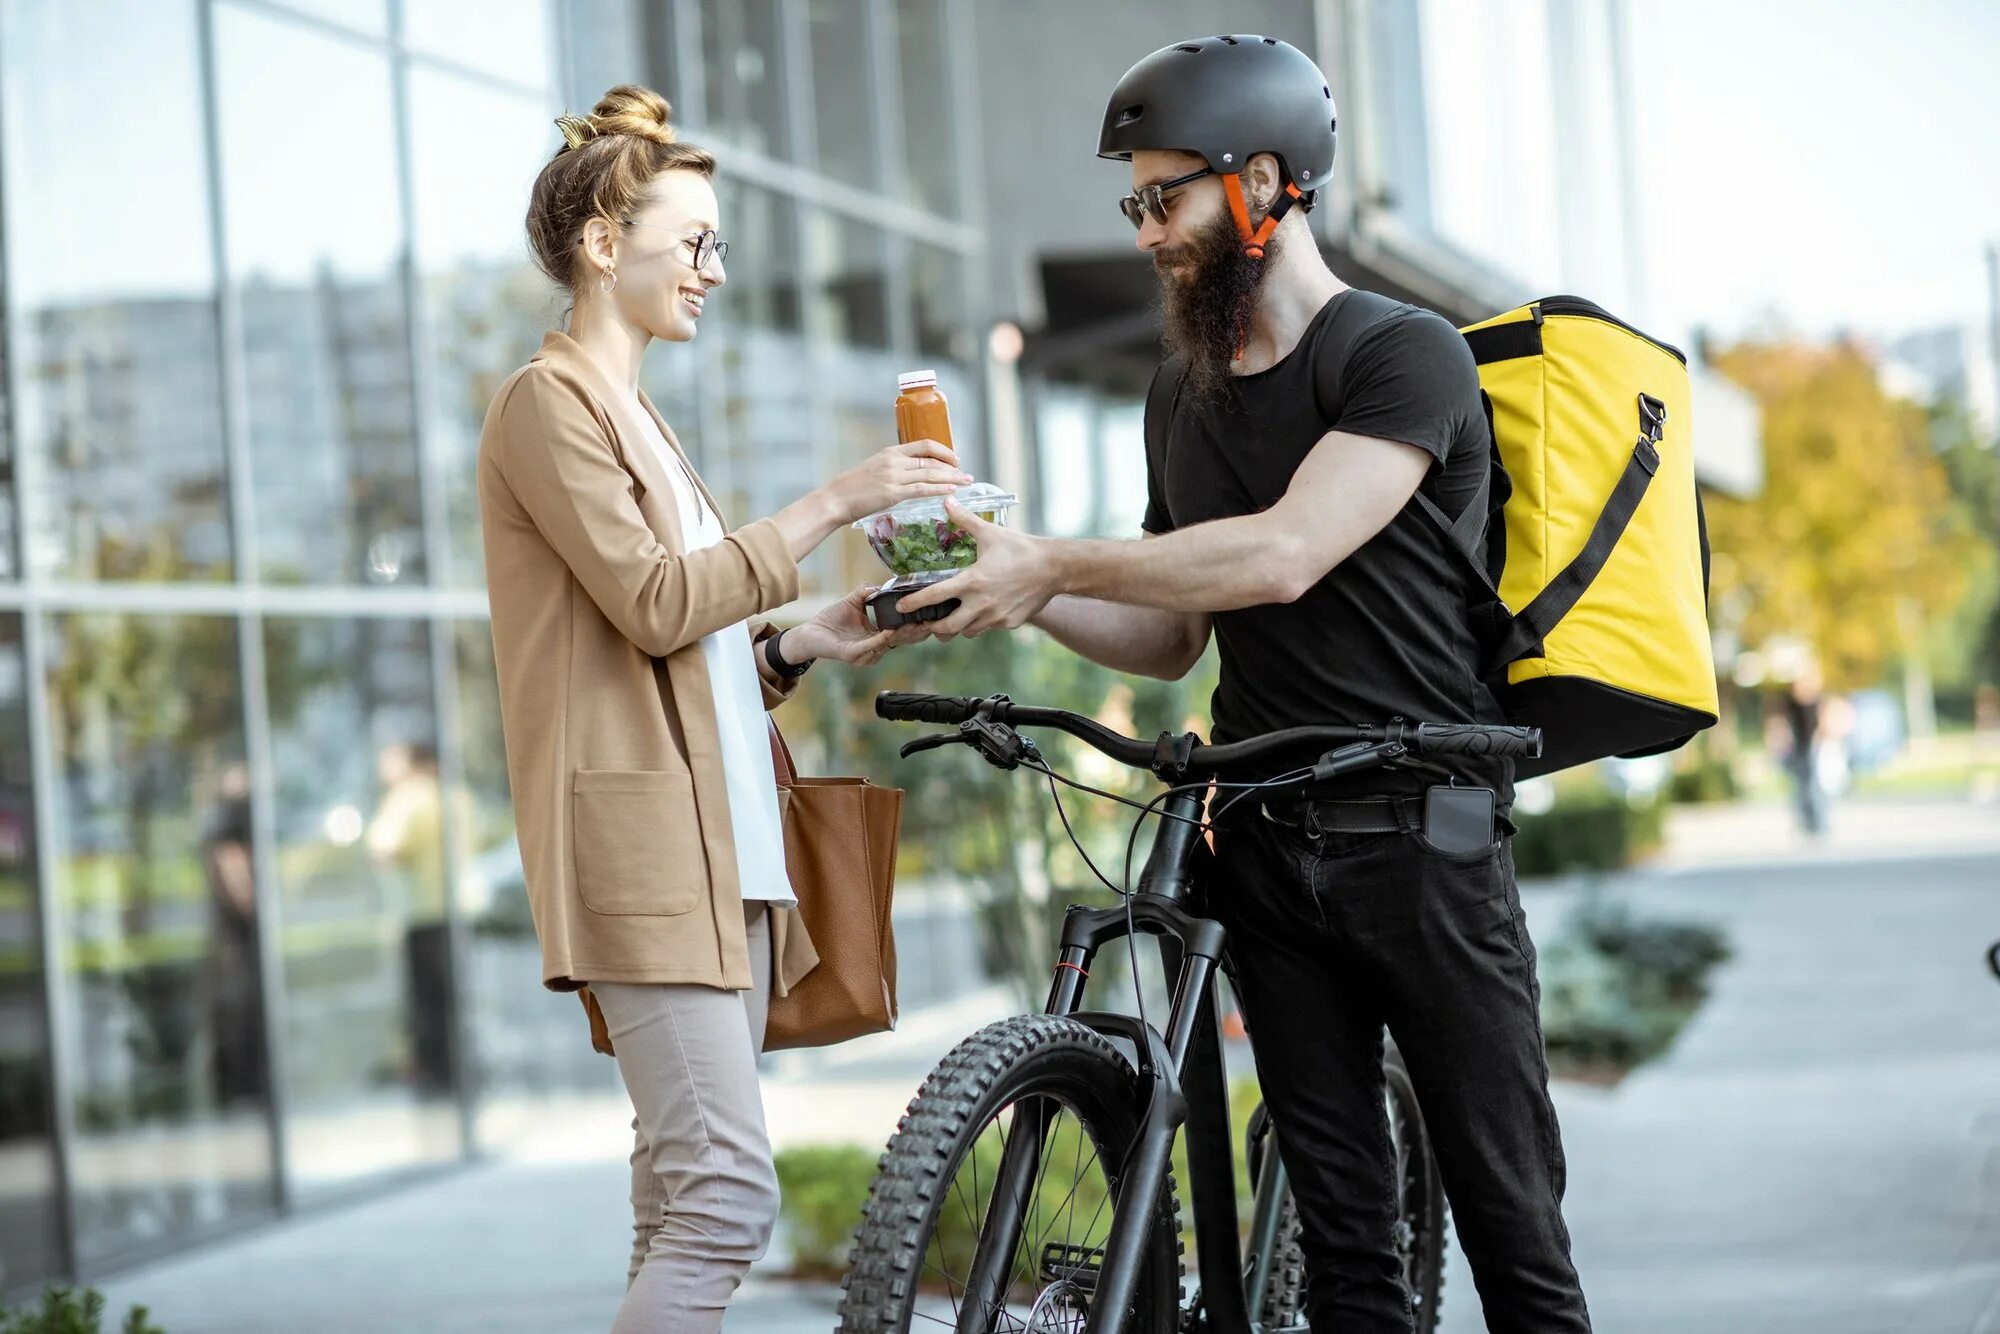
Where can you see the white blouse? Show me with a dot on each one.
(739, 713)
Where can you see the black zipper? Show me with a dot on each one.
(1590, 310)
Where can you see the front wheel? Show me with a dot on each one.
(938, 1215)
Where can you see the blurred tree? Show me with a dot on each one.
(1858, 541)
(1969, 644)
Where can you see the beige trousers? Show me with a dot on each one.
(704, 1193)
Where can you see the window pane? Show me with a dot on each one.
(29, 1218)
(111, 294)
(510, 38)
(929, 180)
(843, 79)
(938, 289)
(360, 828)
(763, 267)
(485, 304)
(858, 388)
(609, 42)
(743, 60)
(369, 16)
(315, 247)
(10, 568)
(158, 902)
(528, 1047)
(756, 446)
(851, 304)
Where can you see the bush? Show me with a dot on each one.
(1617, 989)
(1590, 828)
(72, 1311)
(824, 1188)
(1708, 778)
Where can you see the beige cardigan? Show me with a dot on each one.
(612, 745)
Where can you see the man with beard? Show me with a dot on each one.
(1301, 435)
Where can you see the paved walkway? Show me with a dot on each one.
(1820, 1154)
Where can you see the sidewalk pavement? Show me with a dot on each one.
(1744, 834)
(1820, 1152)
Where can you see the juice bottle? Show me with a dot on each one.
(920, 409)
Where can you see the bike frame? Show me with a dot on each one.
(1183, 1073)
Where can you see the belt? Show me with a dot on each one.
(1362, 815)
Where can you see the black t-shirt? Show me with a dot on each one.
(1390, 632)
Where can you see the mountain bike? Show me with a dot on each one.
(975, 1224)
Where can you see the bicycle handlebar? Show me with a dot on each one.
(1419, 738)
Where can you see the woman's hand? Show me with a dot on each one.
(843, 632)
(919, 470)
(916, 471)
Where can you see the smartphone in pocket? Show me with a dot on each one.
(1459, 819)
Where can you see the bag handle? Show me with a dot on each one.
(782, 767)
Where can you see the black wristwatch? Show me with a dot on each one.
(777, 660)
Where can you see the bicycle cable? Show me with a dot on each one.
(1127, 893)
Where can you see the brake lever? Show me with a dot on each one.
(1000, 745)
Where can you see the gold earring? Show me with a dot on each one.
(607, 282)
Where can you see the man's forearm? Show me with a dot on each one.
(1219, 566)
(1144, 641)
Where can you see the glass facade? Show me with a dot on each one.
(263, 933)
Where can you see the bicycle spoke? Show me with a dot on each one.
(949, 1283)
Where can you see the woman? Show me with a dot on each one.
(633, 684)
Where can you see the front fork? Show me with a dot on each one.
(1182, 1074)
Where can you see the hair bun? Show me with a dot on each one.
(630, 109)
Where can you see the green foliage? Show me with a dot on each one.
(1706, 778)
(1617, 989)
(72, 1311)
(1590, 828)
(824, 1188)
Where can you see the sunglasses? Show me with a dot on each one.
(1150, 201)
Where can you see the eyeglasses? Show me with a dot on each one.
(706, 245)
(1149, 201)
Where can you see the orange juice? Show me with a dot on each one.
(920, 409)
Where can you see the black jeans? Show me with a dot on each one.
(1334, 937)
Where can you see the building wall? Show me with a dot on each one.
(263, 938)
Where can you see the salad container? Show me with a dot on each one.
(922, 546)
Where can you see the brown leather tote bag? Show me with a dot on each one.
(840, 850)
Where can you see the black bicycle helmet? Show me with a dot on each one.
(1227, 99)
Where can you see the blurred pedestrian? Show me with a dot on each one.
(406, 838)
(1801, 718)
(229, 979)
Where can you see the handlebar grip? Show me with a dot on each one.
(903, 707)
(1476, 739)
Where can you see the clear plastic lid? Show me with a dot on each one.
(916, 379)
(979, 497)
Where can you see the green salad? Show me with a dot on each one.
(928, 546)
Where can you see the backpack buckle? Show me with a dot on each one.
(1652, 418)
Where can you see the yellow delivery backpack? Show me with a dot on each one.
(1601, 563)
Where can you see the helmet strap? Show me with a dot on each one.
(1256, 238)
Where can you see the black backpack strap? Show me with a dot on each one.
(1358, 309)
(1534, 621)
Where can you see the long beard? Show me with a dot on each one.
(1208, 289)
